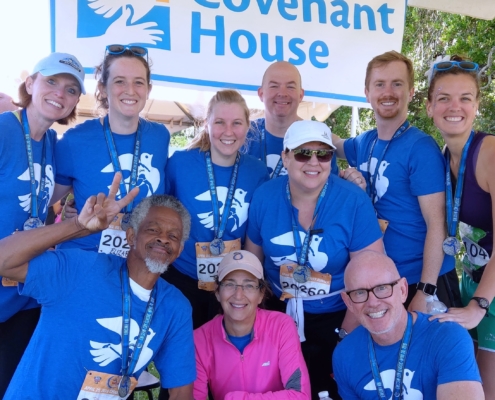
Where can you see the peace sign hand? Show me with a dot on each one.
(100, 210)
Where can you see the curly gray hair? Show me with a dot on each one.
(161, 200)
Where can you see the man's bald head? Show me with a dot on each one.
(280, 67)
(369, 266)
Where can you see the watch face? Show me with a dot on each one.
(483, 302)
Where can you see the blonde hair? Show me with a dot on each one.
(202, 140)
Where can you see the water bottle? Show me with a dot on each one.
(324, 395)
(435, 306)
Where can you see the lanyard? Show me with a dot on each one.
(115, 159)
(129, 365)
(401, 362)
(371, 180)
(302, 250)
(278, 167)
(454, 207)
(35, 203)
(220, 225)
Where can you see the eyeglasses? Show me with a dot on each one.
(465, 65)
(382, 291)
(304, 155)
(120, 48)
(230, 287)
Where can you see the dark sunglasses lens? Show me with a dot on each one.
(324, 155)
(305, 155)
(444, 65)
(468, 65)
(138, 50)
(116, 48)
(302, 156)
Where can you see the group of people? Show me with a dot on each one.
(251, 221)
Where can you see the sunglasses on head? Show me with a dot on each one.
(464, 65)
(120, 48)
(304, 155)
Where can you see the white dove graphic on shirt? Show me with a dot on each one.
(388, 378)
(148, 177)
(105, 353)
(43, 198)
(238, 210)
(382, 181)
(317, 259)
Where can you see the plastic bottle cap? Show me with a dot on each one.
(324, 394)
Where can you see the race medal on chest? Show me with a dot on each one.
(125, 222)
(124, 386)
(451, 246)
(33, 223)
(301, 274)
(217, 246)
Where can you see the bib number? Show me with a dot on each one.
(207, 263)
(113, 239)
(102, 386)
(477, 256)
(318, 284)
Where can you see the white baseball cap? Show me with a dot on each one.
(61, 63)
(301, 132)
(240, 260)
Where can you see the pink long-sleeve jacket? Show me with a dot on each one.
(271, 367)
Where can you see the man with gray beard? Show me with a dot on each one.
(104, 318)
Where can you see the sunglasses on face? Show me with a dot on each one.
(304, 155)
(464, 65)
(120, 48)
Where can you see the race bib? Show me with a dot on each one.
(318, 284)
(113, 239)
(102, 386)
(6, 282)
(207, 263)
(383, 225)
(476, 255)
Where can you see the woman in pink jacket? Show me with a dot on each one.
(248, 353)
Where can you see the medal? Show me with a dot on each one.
(451, 246)
(217, 246)
(125, 222)
(301, 274)
(124, 386)
(33, 223)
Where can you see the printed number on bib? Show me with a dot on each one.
(113, 239)
(318, 284)
(477, 255)
(207, 263)
(102, 386)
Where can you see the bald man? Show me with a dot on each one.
(436, 359)
(6, 103)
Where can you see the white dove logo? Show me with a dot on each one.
(382, 181)
(317, 259)
(238, 210)
(388, 378)
(105, 353)
(271, 163)
(148, 177)
(43, 198)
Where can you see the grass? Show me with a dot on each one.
(156, 392)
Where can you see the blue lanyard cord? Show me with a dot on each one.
(35, 200)
(112, 149)
(280, 163)
(453, 206)
(221, 223)
(302, 249)
(129, 365)
(371, 180)
(401, 362)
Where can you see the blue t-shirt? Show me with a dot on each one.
(438, 353)
(187, 179)
(81, 325)
(15, 196)
(274, 147)
(413, 166)
(346, 218)
(83, 162)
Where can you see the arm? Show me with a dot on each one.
(17, 250)
(352, 175)
(181, 392)
(59, 192)
(338, 142)
(255, 249)
(460, 390)
(433, 210)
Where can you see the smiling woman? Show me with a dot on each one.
(27, 162)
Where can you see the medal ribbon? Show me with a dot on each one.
(401, 362)
(129, 365)
(278, 168)
(112, 149)
(35, 203)
(454, 207)
(221, 224)
(302, 250)
(371, 181)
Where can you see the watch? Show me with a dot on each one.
(342, 333)
(483, 303)
(427, 288)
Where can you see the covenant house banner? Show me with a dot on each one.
(214, 44)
